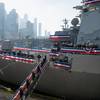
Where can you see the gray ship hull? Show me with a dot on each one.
(14, 72)
(82, 82)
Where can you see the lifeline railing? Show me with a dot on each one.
(30, 82)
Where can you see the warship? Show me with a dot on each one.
(81, 44)
(80, 77)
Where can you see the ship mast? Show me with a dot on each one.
(65, 26)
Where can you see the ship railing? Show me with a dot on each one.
(31, 81)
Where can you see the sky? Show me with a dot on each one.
(49, 12)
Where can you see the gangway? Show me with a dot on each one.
(31, 81)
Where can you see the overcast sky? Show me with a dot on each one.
(49, 12)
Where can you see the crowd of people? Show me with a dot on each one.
(20, 54)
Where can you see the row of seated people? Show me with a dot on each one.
(17, 54)
(64, 60)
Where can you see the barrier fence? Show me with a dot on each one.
(30, 82)
(24, 60)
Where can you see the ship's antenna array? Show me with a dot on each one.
(65, 23)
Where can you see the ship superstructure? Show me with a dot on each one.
(68, 35)
(90, 22)
(85, 33)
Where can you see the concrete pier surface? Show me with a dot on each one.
(7, 94)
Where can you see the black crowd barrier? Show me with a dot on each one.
(30, 82)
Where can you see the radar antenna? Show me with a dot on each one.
(75, 21)
(65, 23)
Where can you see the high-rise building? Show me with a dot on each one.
(35, 28)
(47, 34)
(23, 31)
(39, 29)
(26, 31)
(2, 21)
(23, 22)
(12, 24)
(30, 29)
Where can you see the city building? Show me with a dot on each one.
(12, 25)
(29, 31)
(26, 31)
(23, 27)
(2, 21)
(23, 22)
(39, 29)
(35, 28)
